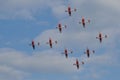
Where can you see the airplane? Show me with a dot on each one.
(88, 52)
(69, 10)
(100, 37)
(33, 44)
(60, 27)
(50, 42)
(83, 22)
(66, 52)
(77, 64)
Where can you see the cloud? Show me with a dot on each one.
(25, 9)
(11, 73)
(16, 8)
(102, 20)
(103, 60)
(59, 11)
(113, 5)
(75, 36)
(15, 64)
(110, 3)
(79, 38)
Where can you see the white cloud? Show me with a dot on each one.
(113, 4)
(17, 64)
(104, 20)
(103, 60)
(74, 36)
(80, 38)
(59, 11)
(11, 73)
(110, 4)
(25, 9)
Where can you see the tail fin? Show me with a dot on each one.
(75, 9)
(82, 62)
(93, 51)
(105, 36)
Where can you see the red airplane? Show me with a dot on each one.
(33, 44)
(69, 10)
(88, 52)
(66, 52)
(100, 37)
(60, 27)
(50, 42)
(77, 64)
(83, 22)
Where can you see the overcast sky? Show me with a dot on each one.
(22, 21)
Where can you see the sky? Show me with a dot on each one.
(22, 21)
